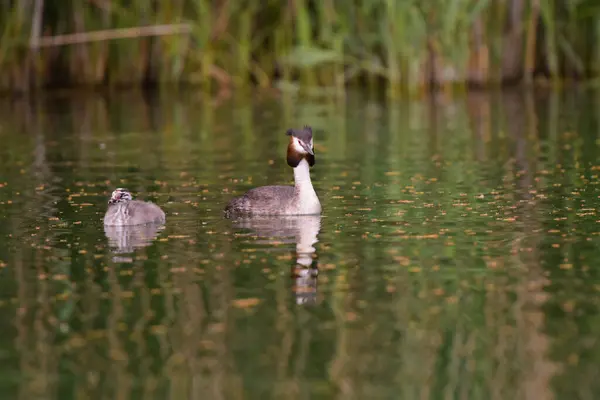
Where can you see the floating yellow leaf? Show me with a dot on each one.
(245, 303)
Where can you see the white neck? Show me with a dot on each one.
(308, 200)
(302, 175)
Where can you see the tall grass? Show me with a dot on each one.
(405, 44)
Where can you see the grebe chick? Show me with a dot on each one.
(300, 199)
(123, 210)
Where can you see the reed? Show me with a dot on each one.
(409, 45)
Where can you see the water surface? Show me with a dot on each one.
(456, 257)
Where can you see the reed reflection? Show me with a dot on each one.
(301, 230)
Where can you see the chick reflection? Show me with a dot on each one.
(126, 239)
(303, 231)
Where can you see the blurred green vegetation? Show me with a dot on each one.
(402, 45)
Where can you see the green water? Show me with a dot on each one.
(456, 258)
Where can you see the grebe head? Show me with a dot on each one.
(120, 195)
(300, 146)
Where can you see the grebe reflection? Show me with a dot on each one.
(302, 230)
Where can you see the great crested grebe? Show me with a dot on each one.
(123, 210)
(300, 199)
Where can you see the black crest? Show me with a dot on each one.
(304, 134)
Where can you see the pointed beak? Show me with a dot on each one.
(307, 148)
(114, 199)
